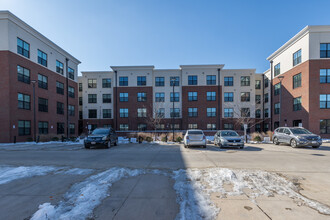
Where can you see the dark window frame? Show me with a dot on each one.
(42, 104)
(23, 77)
(24, 104)
(192, 96)
(192, 80)
(141, 81)
(26, 129)
(123, 81)
(41, 58)
(296, 80)
(296, 57)
(42, 81)
(297, 106)
(159, 81)
(22, 49)
(228, 81)
(211, 80)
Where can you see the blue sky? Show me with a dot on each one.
(169, 33)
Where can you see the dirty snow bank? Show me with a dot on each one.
(8, 174)
(80, 201)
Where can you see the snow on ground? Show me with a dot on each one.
(8, 174)
(326, 140)
(193, 188)
(76, 171)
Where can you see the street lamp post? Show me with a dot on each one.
(280, 78)
(173, 80)
(34, 111)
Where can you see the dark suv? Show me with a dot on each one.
(296, 137)
(101, 137)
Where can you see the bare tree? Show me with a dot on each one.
(155, 117)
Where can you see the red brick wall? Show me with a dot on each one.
(5, 127)
(18, 87)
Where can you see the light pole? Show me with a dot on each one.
(34, 111)
(280, 78)
(173, 80)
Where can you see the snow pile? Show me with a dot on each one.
(80, 201)
(76, 171)
(8, 174)
(210, 138)
(122, 140)
(325, 140)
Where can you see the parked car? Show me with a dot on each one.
(101, 137)
(228, 138)
(194, 138)
(296, 137)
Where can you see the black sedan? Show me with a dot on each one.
(101, 137)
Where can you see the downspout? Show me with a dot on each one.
(271, 95)
(116, 108)
(67, 98)
(263, 102)
(219, 104)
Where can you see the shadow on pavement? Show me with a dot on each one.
(215, 148)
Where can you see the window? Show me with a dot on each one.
(277, 89)
(80, 101)
(324, 75)
(325, 50)
(71, 73)
(210, 96)
(42, 81)
(245, 112)
(59, 67)
(266, 97)
(106, 98)
(258, 113)
(24, 101)
(92, 113)
(142, 127)
(229, 81)
(266, 127)
(176, 126)
(297, 81)
(42, 58)
(229, 113)
(228, 96)
(175, 112)
(92, 84)
(72, 129)
(266, 81)
(80, 114)
(245, 96)
(123, 81)
(106, 83)
(276, 124)
(297, 104)
(211, 112)
(159, 81)
(160, 113)
(60, 128)
(175, 97)
(266, 113)
(295, 123)
(142, 97)
(192, 96)
(175, 80)
(160, 97)
(60, 108)
(23, 48)
(228, 126)
(245, 81)
(258, 128)
(106, 113)
(71, 92)
(43, 105)
(297, 57)
(24, 128)
(258, 99)
(211, 126)
(60, 88)
(141, 80)
(258, 84)
(23, 74)
(211, 80)
(160, 126)
(123, 113)
(80, 87)
(192, 126)
(192, 112)
(142, 112)
(277, 108)
(325, 126)
(192, 80)
(123, 97)
(71, 110)
(277, 69)
(123, 127)
(92, 98)
(325, 101)
(43, 127)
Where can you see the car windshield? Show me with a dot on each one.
(300, 131)
(228, 133)
(101, 131)
(195, 132)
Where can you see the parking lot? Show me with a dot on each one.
(164, 181)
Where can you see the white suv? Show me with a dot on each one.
(194, 138)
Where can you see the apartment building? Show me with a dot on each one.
(142, 98)
(300, 78)
(38, 87)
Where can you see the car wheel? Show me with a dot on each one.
(241, 147)
(109, 144)
(220, 145)
(316, 146)
(115, 144)
(87, 147)
(204, 146)
(275, 141)
(293, 143)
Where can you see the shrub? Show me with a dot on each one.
(29, 139)
(178, 139)
(55, 139)
(163, 138)
(270, 135)
(257, 138)
(149, 139)
(255, 135)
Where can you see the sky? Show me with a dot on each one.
(169, 33)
